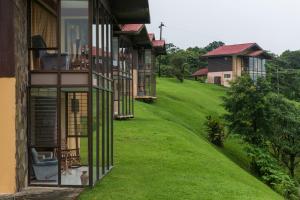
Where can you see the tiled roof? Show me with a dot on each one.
(158, 43)
(132, 27)
(201, 72)
(230, 49)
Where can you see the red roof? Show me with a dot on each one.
(158, 43)
(201, 72)
(230, 49)
(132, 27)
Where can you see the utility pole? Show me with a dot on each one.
(159, 59)
(161, 29)
(277, 81)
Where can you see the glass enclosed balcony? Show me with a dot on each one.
(255, 67)
(146, 75)
(70, 92)
(123, 80)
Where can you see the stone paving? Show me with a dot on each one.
(38, 193)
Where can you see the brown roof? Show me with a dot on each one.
(158, 43)
(201, 72)
(132, 27)
(231, 49)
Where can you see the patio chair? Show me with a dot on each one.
(44, 169)
(47, 61)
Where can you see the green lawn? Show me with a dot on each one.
(162, 153)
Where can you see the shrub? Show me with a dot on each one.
(202, 79)
(271, 173)
(215, 130)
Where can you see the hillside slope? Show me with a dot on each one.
(162, 154)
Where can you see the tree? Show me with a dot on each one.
(291, 59)
(245, 104)
(283, 118)
(284, 74)
(178, 61)
(214, 45)
(194, 59)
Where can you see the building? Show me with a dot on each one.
(200, 74)
(56, 83)
(146, 68)
(145, 49)
(228, 62)
(123, 72)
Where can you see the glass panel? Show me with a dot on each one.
(74, 162)
(105, 49)
(43, 117)
(109, 39)
(100, 124)
(44, 24)
(43, 46)
(148, 58)
(95, 51)
(101, 50)
(74, 33)
(94, 138)
(74, 140)
(104, 128)
(263, 68)
(115, 51)
(43, 136)
(251, 64)
(255, 64)
(77, 113)
(110, 127)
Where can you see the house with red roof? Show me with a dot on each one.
(201, 73)
(228, 62)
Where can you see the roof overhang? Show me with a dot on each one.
(131, 11)
(137, 33)
(159, 47)
(261, 54)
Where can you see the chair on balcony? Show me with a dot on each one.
(47, 61)
(45, 169)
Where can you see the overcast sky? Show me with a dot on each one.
(273, 24)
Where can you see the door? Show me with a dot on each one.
(217, 80)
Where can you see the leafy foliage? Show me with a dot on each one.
(214, 45)
(245, 103)
(266, 167)
(283, 118)
(192, 59)
(215, 130)
(284, 74)
(178, 61)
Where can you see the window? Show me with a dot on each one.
(43, 28)
(256, 68)
(227, 75)
(74, 33)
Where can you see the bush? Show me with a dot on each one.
(271, 173)
(215, 130)
(202, 79)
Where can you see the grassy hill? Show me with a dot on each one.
(163, 154)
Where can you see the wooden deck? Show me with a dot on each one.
(147, 99)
